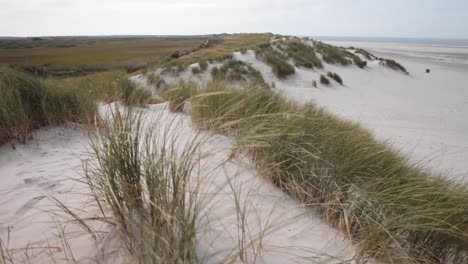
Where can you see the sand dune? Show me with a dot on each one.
(423, 115)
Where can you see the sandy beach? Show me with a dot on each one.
(423, 115)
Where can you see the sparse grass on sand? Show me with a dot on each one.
(143, 178)
(324, 80)
(396, 212)
(332, 55)
(303, 55)
(277, 61)
(234, 70)
(393, 65)
(221, 48)
(335, 77)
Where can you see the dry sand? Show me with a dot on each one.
(279, 228)
(422, 115)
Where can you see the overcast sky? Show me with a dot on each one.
(366, 18)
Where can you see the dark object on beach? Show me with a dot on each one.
(428, 71)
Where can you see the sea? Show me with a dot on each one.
(453, 52)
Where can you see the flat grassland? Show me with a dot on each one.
(88, 54)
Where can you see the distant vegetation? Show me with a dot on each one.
(221, 48)
(303, 55)
(335, 77)
(332, 55)
(72, 56)
(196, 70)
(233, 70)
(324, 80)
(278, 62)
(393, 65)
(365, 53)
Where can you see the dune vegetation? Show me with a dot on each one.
(277, 60)
(394, 211)
(303, 55)
(145, 182)
(28, 102)
(234, 70)
(392, 64)
(74, 56)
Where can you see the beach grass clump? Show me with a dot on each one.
(392, 64)
(142, 177)
(196, 70)
(303, 55)
(28, 102)
(333, 55)
(335, 77)
(324, 80)
(277, 61)
(178, 94)
(156, 81)
(360, 63)
(203, 65)
(130, 93)
(212, 108)
(396, 212)
(235, 70)
(365, 53)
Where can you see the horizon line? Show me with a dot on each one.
(212, 34)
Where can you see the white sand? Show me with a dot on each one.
(44, 168)
(423, 115)
(291, 231)
(50, 164)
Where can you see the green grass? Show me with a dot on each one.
(27, 103)
(333, 55)
(324, 80)
(303, 55)
(144, 179)
(156, 81)
(277, 61)
(393, 65)
(365, 53)
(178, 94)
(394, 211)
(222, 48)
(196, 70)
(335, 77)
(70, 56)
(234, 70)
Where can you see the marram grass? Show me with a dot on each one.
(393, 210)
(141, 173)
(28, 102)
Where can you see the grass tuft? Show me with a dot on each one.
(393, 65)
(144, 178)
(277, 61)
(303, 55)
(324, 80)
(335, 77)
